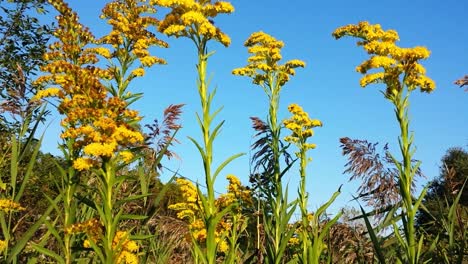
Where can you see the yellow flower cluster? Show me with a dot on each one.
(300, 125)
(130, 31)
(194, 19)
(3, 245)
(237, 193)
(7, 205)
(293, 241)
(92, 228)
(98, 123)
(266, 53)
(81, 164)
(127, 248)
(394, 61)
(190, 209)
(49, 92)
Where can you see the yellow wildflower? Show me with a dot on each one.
(3, 245)
(127, 156)
(394, 61)
(265, 53)
(8, 205)
(100, 149)
(223, 246)
(49, 92)
(86, 243)
(194, 19)
(127, 258)
(300, 125)
(103, 52)
(81, 164)
(293, 241)
(138, 72)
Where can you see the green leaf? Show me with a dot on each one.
(141, 237)
(21, 243)
(131, 198)
(214, 133)
(324, 207)
(133, 217)
(14, 162)
(215, 113)
(420, 198)
(420, 245)
(200, 149)
(328, 225)
(54, 232)
(375, 241)
(226, 162)
(86, 201)
(49, 253)
(160, 195)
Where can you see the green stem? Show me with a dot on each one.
(69, 204)
(69, 217)
(406, 173)
(279, 200)
(303, 205)
(205, 99)
(108, 212)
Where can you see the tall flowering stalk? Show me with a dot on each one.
(401, 73)
(311, 232)
(264, 68)
(193, 19)
(77, 85)
(229, 228)
(99, 128)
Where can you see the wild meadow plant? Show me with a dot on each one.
(18, 158)
(231, 226)
(193, 19)
(100, 131)
(311, 233)
(104, 203)
(264, 69)
(402, 73)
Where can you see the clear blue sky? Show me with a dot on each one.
(328, 88)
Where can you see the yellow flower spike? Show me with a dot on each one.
(223, 246)
(49, 92)
(193, 19)
(86, 243)
(295, 64)
(8, 205)
(393, 60)
(401, 73)
(81, 164)
(138, 72)
(127, 156)
(300, 124)
(3, 245)
(265, 53)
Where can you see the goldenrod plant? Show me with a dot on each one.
(100, 130)
(401, 74)
(193, 19)
(66, 68)
(229, 229)
(264, 69)
(311, 233)
(103, 199)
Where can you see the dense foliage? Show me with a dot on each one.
(102, 200)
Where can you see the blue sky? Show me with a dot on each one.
(328, 88)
